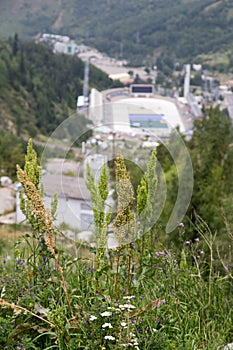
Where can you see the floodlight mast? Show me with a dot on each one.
(86, 83)
(187, 80)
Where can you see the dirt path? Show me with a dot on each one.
(58, 23)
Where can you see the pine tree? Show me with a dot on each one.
(15, 45)
(212, 156)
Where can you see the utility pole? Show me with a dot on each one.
(86, 84)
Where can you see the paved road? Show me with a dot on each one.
(112, 66)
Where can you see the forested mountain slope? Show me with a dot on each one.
(133, 28)
(38, 89)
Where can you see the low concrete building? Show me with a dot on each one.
(74, 204)
(66, 48)
(74, 209)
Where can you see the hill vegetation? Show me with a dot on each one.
(136, 30)
(138, 296)
(155, 291)
(38, 90)
(210, 149)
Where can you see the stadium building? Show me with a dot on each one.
(137, 110)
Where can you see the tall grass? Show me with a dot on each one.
(178, 300)
(139, 296)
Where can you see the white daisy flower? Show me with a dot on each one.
(105, 325)
(106, 313)
(128, 297)
(109, 337)
(127, 306)
(93, 318)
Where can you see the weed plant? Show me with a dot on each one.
(139, 296)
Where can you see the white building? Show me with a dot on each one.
(74, 204)
(96, 107)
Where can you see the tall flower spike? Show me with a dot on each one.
(125, 222)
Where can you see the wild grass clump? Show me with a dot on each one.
(139, 296)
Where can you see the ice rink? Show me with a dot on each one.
(140, 115)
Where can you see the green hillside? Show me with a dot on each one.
(38, 90)
(137, 30)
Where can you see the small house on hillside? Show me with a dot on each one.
(74, 204)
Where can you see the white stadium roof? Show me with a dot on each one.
(138, 115)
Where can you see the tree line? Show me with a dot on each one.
(211, 152)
